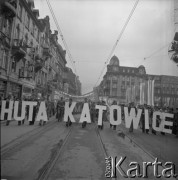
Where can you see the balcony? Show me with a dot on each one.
(4, 38)
(19, 49)
(39, 63)
(9, 8)
(47, 52)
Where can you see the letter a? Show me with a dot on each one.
(42, 112)
(85, 116)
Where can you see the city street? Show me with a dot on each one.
(101, 66)
(57, 152)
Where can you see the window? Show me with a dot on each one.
(20, 11)
(13, 66)
(115, 68)
(114, 78)
(17, 32)
(38, 35)
(3, 58)
(114, 92)
(28, 22)
(114, 85)
(33, 28)
(26, 38)
(31, 43)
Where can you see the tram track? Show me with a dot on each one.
(44, 172)
(20, 142)
(103, 147)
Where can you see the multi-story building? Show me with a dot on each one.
(25, 41)
(165, 90)
(78, 86)
(130, 84)
(42, 58)
(70, 82)
(32, 62)
(57, 65)
(120, 81)
(173, 48)
(7, 17)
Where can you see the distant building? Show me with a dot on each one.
(122, 83)
(79, 86)
(173, 48)
(131, 84)
(165, 90)
(71, 82)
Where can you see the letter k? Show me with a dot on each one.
(118, 166)
(68, 111)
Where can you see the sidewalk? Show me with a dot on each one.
(164, 147)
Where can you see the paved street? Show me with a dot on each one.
(82, 157)
(164, 147)
(56, 152)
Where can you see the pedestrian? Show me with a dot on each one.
(115, 116)
(142, 120)
(131, 126)
(34, 115)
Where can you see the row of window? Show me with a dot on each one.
(29, 23)
(124, 70)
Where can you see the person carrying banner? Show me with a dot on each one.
(9, 98)
(60, 109)
(20, 111)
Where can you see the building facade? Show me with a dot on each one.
(173, 48)
(122, 83)
(72, 84)
(130, 84)
(32, 62)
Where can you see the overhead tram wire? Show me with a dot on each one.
(152, 54)
(155, 52)
(118, 39)
(62, 36)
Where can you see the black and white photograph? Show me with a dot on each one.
(89, 89)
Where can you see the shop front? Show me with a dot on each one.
(15, 90)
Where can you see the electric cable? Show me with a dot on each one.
(117, 41)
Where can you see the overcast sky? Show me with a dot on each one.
(91, 27)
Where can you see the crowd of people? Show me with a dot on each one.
(57, 109)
